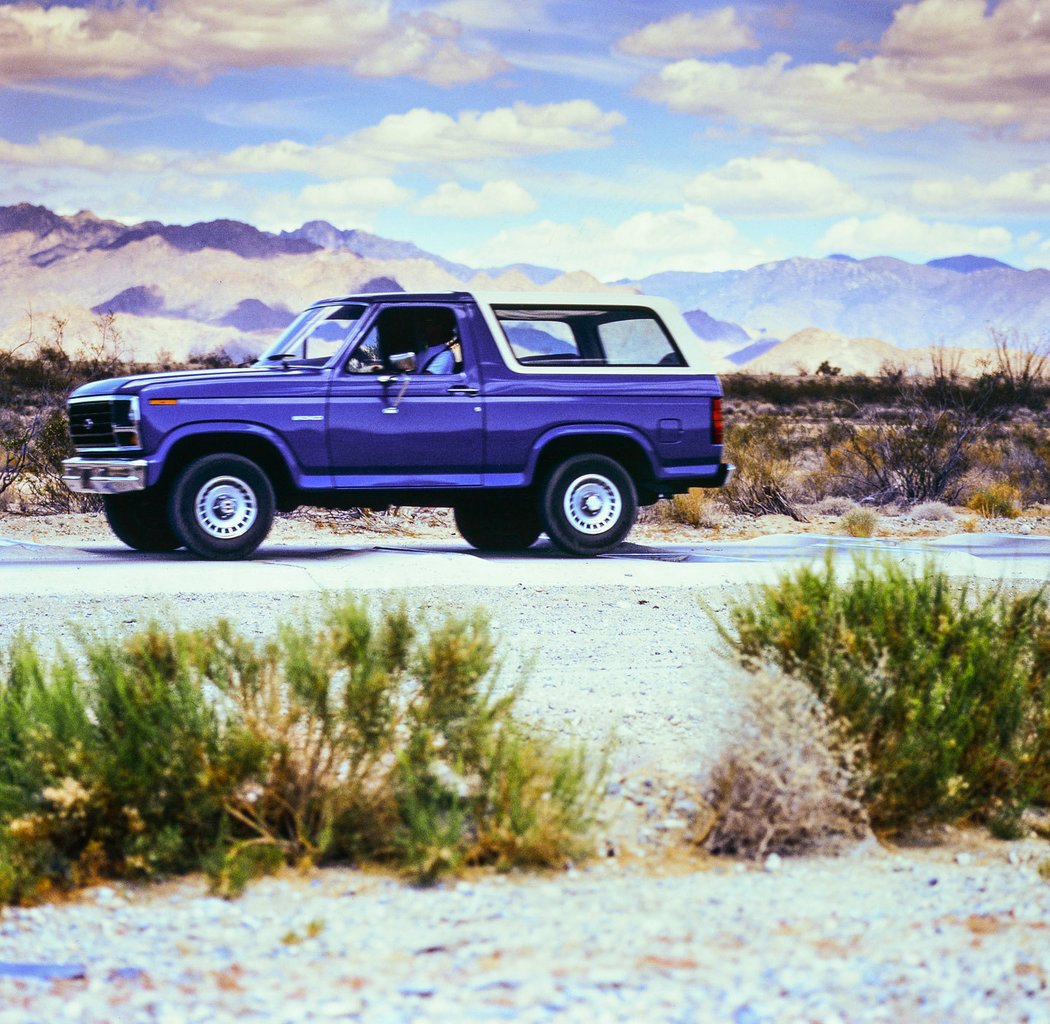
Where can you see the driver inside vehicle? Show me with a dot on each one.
(437, 354)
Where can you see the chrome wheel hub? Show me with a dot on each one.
(592, 504)
(225, 507)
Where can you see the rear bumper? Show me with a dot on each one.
(104, 476)
(678, 480)
(726, 472)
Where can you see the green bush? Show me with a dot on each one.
(998, 500)
(354, 739)
(945, 690)
(119, 769)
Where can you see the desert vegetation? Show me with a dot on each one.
(36, 378)
(828, 443)
(355, 738)
(933, 698)
(871, 698)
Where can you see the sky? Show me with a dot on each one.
(624, 137)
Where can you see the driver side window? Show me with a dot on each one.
(410, 339)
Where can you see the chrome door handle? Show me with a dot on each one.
(462, 389)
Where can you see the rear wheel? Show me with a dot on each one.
(222, 506)
(588, 504)
(140, 520)
(505, 523)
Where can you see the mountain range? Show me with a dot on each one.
(228, 285)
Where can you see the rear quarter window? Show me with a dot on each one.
(587, 336)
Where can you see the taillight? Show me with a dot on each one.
(716, 421)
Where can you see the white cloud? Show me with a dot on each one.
(907, 236)
(689, 238)
(1018, 192)
(424, 136)
(773, 187)
(691, 35)
(939, 60)
(200, 38)
(494, 198)
(65, 151)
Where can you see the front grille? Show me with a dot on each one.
(103, 423)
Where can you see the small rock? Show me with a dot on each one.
(963, 859)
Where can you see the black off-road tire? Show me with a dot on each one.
(588, 504)
(222, 506)
(140, 519)
(504, 523)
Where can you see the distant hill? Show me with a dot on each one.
(224, 284)
(805, 351)
(327, 236)
(952, 301)
(362, 243)
(708, 328)
(178, 287)
(224, 235)
(969, 264)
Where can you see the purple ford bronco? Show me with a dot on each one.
(526, 413)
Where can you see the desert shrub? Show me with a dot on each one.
(834, 505)
(763, 451)
(786, 783)
(886, 460)
(698, 507)
(35, 380)
(859, 522)
(945, 690)
(354, 738)
(932, 511)
(921, 452)
(1029, 462)
(113, 769)
(997, 500)
(1021, 363)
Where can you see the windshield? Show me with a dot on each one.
(314, 336)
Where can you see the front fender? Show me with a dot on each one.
(241, 434)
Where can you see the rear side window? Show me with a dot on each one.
(587, 336)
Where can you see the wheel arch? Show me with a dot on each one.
(259, 449)
(624, 447)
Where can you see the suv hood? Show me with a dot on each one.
(216, 382)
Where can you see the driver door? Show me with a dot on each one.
(393, 424)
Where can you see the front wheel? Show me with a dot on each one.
(588, 504)
(222, 506)
(140, 520)
(505, 523)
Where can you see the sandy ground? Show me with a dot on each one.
(654, 526)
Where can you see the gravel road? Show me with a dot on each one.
(952, 933)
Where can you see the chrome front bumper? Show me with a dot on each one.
(104, 476)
